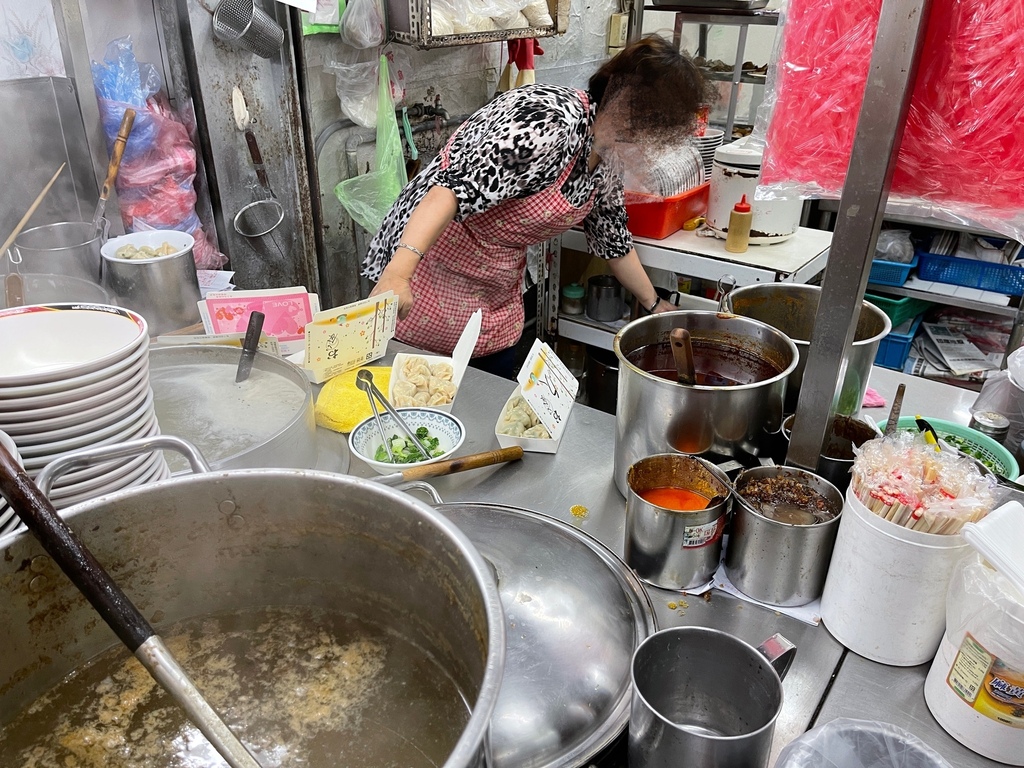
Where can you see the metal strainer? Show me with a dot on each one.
(241, 23)
(259, 218)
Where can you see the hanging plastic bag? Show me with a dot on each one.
(368, 197)
(356, 73)
(155, 186)
(362, 24)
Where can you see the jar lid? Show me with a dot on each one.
(990, 423)
(573, 291)
(740, 152)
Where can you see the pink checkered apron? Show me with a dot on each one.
(478, 264)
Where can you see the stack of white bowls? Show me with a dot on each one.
(8, 518)
(76, 376)
(706, 145)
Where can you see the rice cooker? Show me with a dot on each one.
(736, 172)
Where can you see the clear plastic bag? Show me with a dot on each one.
(985, 603)
(356, 73)
(848, 743)
(895, 245)
(1003, 392)
(155, 185)
(966, 108)
(368, 197)
(362, 24)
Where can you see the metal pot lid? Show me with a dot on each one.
(574, 613)
(741, 152)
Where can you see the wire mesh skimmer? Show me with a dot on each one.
(241, 23)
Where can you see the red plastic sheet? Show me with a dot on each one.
(962, 156)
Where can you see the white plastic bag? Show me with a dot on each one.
(895, 245)
(356, 71)
(848, 743)
(1003, 392)
(362, 24)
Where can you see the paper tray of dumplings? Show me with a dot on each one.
(433, 380)
(535, 415)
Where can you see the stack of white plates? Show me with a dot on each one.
(706, 145)
(8, 519)
(76, 376)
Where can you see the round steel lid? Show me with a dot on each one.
(574, 613)
(741, 152)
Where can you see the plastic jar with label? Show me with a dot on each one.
(572, 299)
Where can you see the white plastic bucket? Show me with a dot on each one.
(885, 594)
(975, 731)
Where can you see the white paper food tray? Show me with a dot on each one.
(550, 390)
(459, 360)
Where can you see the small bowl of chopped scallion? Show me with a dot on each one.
(441, 433)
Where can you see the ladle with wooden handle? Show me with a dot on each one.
(116, 153)
(682, 351)
(14, 287)
(113, 605)
(451, 466)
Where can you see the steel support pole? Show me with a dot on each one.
(901, 30)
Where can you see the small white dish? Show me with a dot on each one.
(365, 439)
(103, 428)
(55, 416)
(78, 425)
(141, 429)
(46, 343)
(70, 389)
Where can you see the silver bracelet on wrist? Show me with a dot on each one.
(654, 306)
(412, 248)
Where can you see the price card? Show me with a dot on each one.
(286, 312)
(548, 387)
(340, 339)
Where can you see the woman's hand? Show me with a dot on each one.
(663, 307)
(391, 281)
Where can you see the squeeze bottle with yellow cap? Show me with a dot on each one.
(738, 237)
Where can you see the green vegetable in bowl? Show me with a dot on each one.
(405, 450)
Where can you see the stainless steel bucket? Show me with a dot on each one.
(703, 698)
(669, 548)
(655, 415)
(56, 289)
(266, 421)
(836, 461)
(69, 248)
(778, 563)
(206, 545)
(791, 308)
(163, 289)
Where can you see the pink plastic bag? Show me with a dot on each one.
(962, 157)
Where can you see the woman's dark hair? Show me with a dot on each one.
(664, 88)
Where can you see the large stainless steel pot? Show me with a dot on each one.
(266, 421)
(655, 415)
(791, 308)
(227, 541)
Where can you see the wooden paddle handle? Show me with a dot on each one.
(118, 152)
(462, 463)
(68, 551)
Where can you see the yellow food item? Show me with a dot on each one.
(341, 405)
(145, 251)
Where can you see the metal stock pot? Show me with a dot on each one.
(658, 415)
(202, 545)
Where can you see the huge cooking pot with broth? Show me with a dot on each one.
(331, 620)
(741, 366)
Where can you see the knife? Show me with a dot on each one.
(252, 340)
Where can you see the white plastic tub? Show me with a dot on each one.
(885, 594)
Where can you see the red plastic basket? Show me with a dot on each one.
(661, 217)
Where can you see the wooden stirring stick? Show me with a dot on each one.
(682, 351)
(30, 211)
(894, 414)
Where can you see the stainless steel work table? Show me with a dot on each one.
(826, 681)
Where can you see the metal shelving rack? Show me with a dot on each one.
(705, 17)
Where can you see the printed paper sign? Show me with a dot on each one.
(338, 340)
(548, 387)
(286, 313)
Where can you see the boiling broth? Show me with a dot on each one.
(715, 365)
(301, 687)
(679, 499)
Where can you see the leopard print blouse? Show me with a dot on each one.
(514, 147)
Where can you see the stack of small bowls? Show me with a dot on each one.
(76, 376)
(706, 145)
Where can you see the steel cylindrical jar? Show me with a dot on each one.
(656, 415)
(669, 548)
(779, 563)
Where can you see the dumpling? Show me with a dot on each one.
(442, 371)
(447, 388)
(433, 384)
(404, 388)
(414, 365)
(539, 432)
(438, 398)
(420, 398)
(520, 416)
(419, 380)
(511, 428)
(404, 401)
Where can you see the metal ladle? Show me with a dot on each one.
(364, 380)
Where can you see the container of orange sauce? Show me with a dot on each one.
(676, 510)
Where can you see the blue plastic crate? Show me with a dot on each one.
(890, 272)
(894, 349)
(1001, 278)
